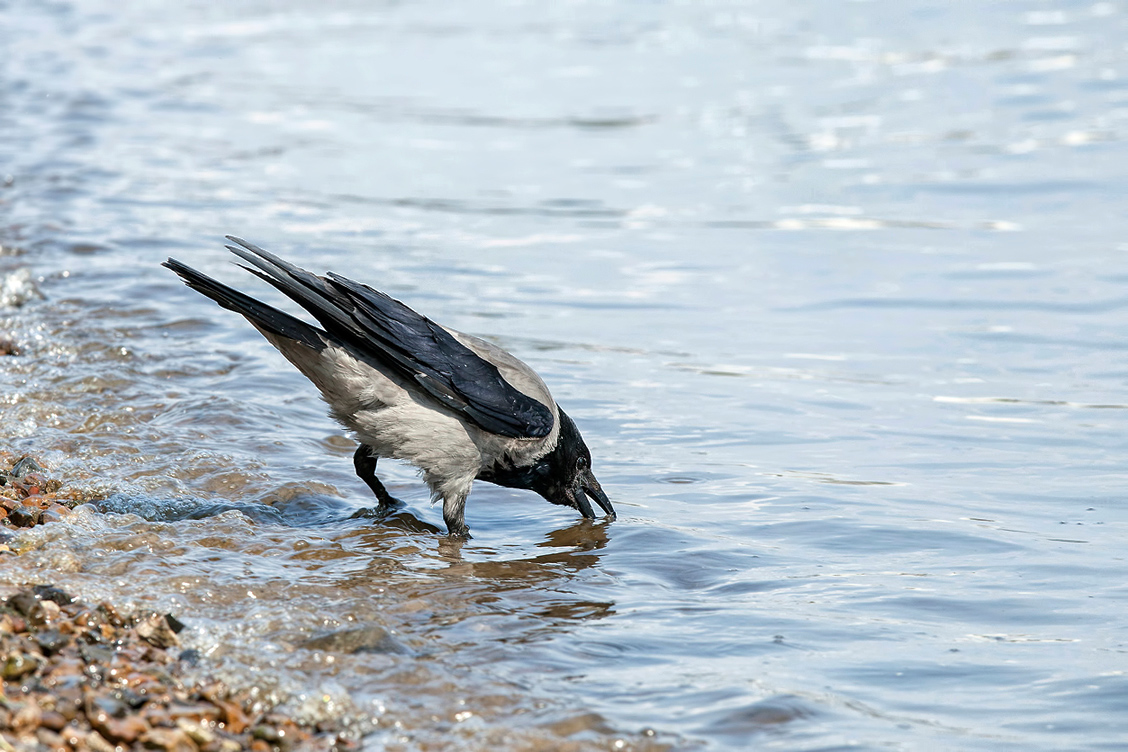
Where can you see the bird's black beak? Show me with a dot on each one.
(587, 486)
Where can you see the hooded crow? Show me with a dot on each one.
(455, 406)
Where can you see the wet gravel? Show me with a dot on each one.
(29, 497)
(76, 676)
(81, 676)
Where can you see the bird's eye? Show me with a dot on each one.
(582, 463)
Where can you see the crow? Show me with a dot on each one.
(455, 406)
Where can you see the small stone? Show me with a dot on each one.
(98, 655)
(108, 614)
(195, 731)
(173, 740)
(193, 712)
(23, 601)
(53, 513)
(267, 734)
(52, 641)
(27, 718)
(101, 707)
(140, 682)
(18, 665)
(97, 743)
(232, 715)
(64, 676)
(53, 720)
(38, 614)
(174, 624)
(68, 701)
(25, 466)
(43, 613)
(52, 593)
(124, 730)
(72, 735)
(49, 739)
(35, 479)
(24, 516)
(156, 631)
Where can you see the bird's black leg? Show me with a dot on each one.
(454, 516)
(365, 465)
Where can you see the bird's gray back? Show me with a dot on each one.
(516, 372)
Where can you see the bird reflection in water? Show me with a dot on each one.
(461, 580)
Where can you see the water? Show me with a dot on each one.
(836, 292)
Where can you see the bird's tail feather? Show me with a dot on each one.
(311, 292)
(258, 313)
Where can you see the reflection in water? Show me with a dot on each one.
(458, 559)
(379, 596)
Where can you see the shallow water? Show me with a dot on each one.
(836, 292)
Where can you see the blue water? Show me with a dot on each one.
(836, 292)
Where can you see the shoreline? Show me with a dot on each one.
(81, 676)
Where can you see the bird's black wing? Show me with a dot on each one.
(411, 345)
(259, 313)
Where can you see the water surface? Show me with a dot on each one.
(836, 292)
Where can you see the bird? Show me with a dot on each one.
(455, 406)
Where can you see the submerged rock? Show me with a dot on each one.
(367, 639)
(25, 466)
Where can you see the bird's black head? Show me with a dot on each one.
(563, 476)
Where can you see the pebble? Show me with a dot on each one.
(18, 665)
(23, 516)
(156, 630)
(25, 466)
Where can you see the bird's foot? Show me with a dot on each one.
(380, 511)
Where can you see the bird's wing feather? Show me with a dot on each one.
(408, 343)
(260, 314)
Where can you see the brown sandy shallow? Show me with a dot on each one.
(81, 676)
